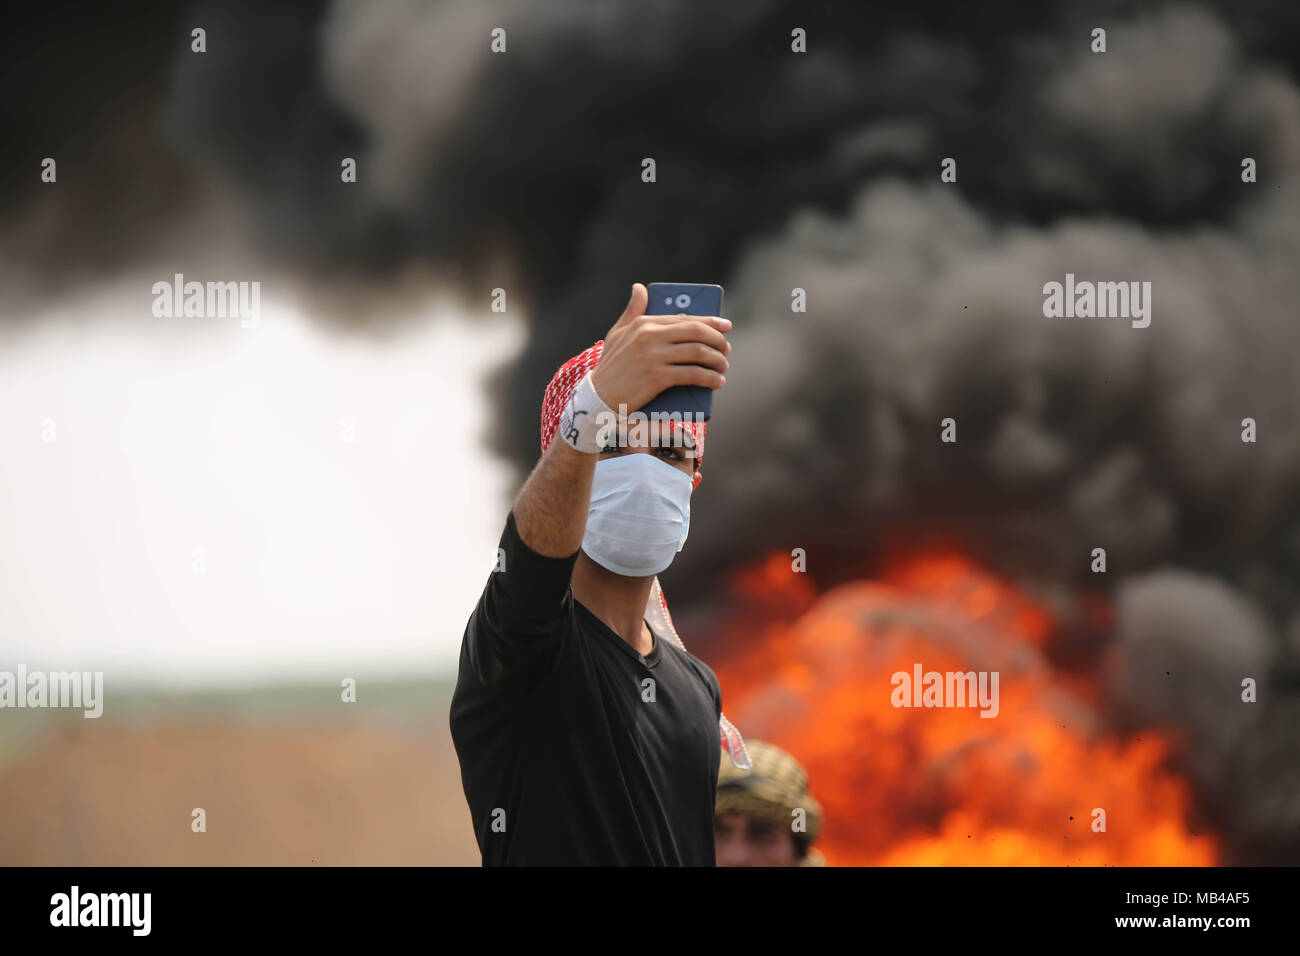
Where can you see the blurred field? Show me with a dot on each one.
(287, 775)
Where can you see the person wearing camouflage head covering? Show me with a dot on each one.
(766, 816)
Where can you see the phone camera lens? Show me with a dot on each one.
(683, 301)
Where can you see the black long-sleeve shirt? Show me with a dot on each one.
(567, 755)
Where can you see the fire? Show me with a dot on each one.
(943, 785)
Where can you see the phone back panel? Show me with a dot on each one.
(672, 298)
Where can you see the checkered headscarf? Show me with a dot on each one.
(567, 379)
(557, 396)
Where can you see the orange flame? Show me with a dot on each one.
(943, 785)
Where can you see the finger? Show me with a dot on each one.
(696, 330)
(695, 375)
(635, 305)
(697, 353)
(717, 321)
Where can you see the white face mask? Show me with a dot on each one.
(640, 514)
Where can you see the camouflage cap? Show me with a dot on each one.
(775, 787)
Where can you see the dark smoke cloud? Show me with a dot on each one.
(1072, 434)
(819, 172)
(1186, 643)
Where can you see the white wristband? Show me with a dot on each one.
(586, 421)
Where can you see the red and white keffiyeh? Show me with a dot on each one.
(567, 379)
(657, 617)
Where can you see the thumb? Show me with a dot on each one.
(636, 305)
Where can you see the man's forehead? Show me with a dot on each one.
(654, 433)
(745, 821)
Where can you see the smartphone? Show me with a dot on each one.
(690, 298)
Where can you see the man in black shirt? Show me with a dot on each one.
(586, 732)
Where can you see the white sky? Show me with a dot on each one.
(323, 557)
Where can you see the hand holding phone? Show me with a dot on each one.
(663, 361)
(689, 298)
